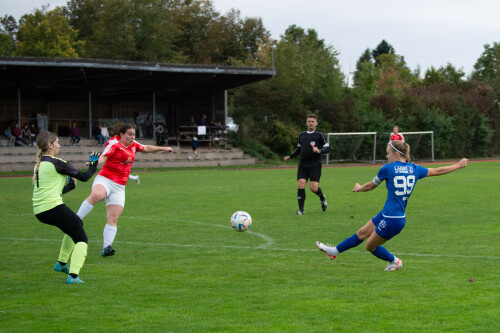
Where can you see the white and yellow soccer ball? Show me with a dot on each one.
(241, 221)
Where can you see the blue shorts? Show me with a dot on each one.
(388, 227)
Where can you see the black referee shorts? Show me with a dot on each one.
(66, 220)
(310, 170)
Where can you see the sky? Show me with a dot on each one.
(426, 32)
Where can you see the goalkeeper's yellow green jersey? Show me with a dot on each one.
(48, 187)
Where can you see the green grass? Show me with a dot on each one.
(179, 267)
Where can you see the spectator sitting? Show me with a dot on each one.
(26, 134)
(192, 122)
(203, 121)
(97, 134)
(74, 133)
(16, 131)
(34, 133)
(104, 132)
(8, 135)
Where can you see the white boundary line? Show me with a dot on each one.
(261, 247)
(267, 245)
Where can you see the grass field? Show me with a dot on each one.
(179, 267)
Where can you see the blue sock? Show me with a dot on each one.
(382, 253)
(349, 243)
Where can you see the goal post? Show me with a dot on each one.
(414, 140)
(353, 142)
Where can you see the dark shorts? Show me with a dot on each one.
(311, 171)
(66, 220)
(387, 227)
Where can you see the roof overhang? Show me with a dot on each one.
(62, 78)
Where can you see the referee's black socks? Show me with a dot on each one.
(301, 197)
(319, 193)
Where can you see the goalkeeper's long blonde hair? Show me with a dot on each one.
(42, 141)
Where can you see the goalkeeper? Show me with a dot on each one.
(311, 145)
(51, 179)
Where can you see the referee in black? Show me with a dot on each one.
(311, 145)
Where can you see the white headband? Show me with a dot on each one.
(396, 149)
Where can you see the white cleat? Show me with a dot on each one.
(325, 248)
(395, 266)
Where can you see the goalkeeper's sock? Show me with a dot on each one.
(78, 258)
(85, 208)
(382, 253)
(349, 243)
(319, 193)
(301, 197)
(108, 235)
(66, 249)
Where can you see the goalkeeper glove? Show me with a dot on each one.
(93, 158)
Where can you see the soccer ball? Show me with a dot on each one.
(241, 221)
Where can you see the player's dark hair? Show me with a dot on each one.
(125, 127)
(116, 127)
(42, 141)
(402, 148)
(312, 115)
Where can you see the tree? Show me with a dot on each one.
(8, 30)
(48, 34)
(193, 20)
(487, 67)
(382, 48)
(368, 76)
(396, 76)
(448, 74)
(365, 57)
(134, 30)
(83, 15)
(308, 79)
(433, 76)
(231, 40)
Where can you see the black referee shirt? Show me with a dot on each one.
(308, 140)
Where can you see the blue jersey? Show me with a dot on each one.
(400, 180)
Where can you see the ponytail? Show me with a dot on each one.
(408, 156)
(38, 159)
(42, 141)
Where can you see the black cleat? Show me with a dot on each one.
(324, 205)
(107, 251)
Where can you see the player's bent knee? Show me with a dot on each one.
(80, 238)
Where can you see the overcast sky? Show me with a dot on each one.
(426, 32)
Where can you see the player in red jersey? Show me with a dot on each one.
(396, 136)
(116, 138)
(118, 158)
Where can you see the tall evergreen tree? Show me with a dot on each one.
(382, 48)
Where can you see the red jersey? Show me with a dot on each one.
(120, 160)
(397, 137)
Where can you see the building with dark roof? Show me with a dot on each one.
(56, 92)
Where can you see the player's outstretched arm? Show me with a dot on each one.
(365, 187)
(447, 169)
(154, 149)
